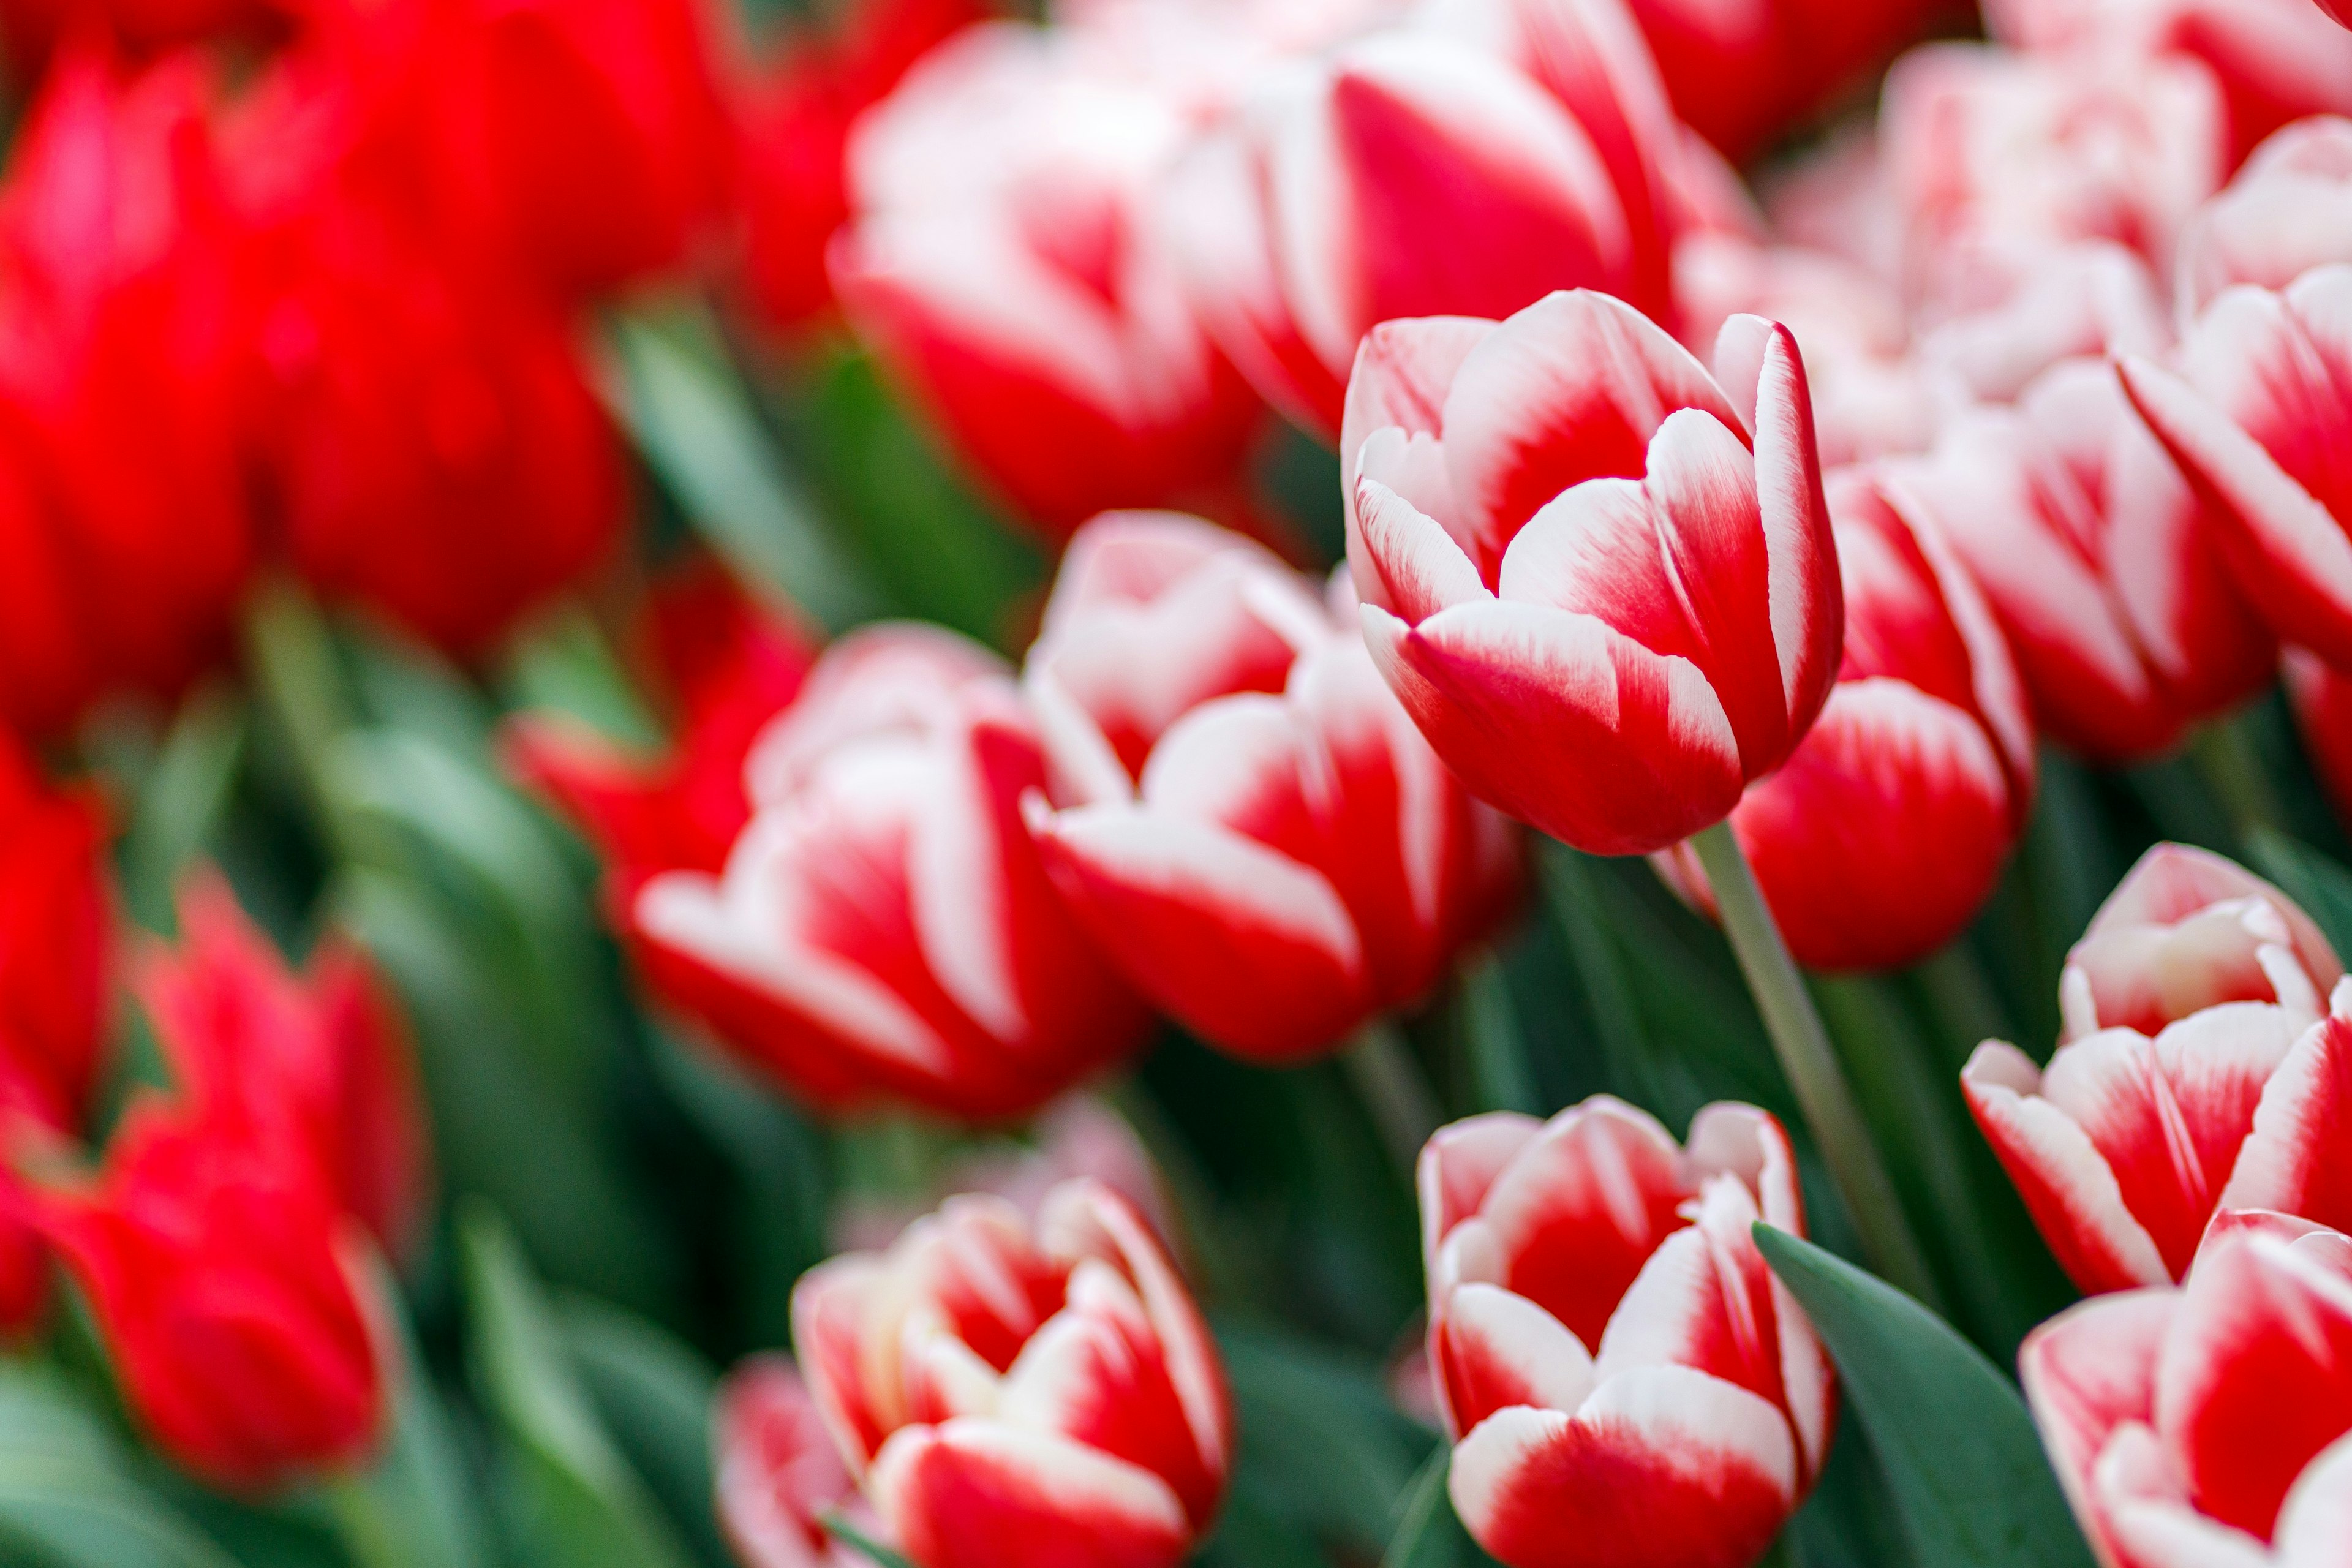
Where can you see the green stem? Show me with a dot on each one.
(1812, 1067)
(1379, 1062)
(2225, 756)
(1498, 1058)
(1963, 999)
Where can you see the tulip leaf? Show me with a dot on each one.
(182, 799)
(67, 1495)
(577, 1500)
(1500, 1071)
(654, 1395)
(1962, 1460)
(857, 1539)
(1429, 1535)
(2312, 880)
(1319, 1436)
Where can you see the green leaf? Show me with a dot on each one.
(181, 799)
(694, 425)
(1962, 1457)
(68, 1498)
(562, 664)
(850, 1535)
(1321, 1439)
(2319, 884)
(654, 1395)
(580, 1502)
(1500, 1073)
(1429, 1535)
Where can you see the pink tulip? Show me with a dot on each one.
(998, 260)
(1415, 171)
(2209, 1425)
(1518, 491)
(2288, 210)
(1009, 1394)
(2100, 560)
(2196, 1073)
(1625, 1384)
(2260, 416)
(882, 925)
(1250, 825)
(1881, 837)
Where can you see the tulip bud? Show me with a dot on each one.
(999, 264)
(1623, 1380)
(2197, 1073)
(1884, 833)
(233, 1297)
(315, 1063)
(2213, 1418)
(777, 1474)
(1518, 490)
(1251, 826)
(1008, 1393)
(881, 924)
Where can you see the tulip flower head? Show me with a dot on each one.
(1624, 1382)
(1602, 583)
(1010, 1393)
(777, 1473)
(2287, 210)
(2197, 1073)
(2209, 1423)
(1249, 824)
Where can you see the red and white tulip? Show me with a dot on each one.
(1518, 491)
(1624, 1382)
(2288, 210)
(776, 1473)
(1007, 1394)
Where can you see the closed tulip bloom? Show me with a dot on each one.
(231, 1291)
(2196, 1073)
(2288, 210)
(1013, 1393)
(882, 924)
(2099, 557)
(2258, 417)
(1603, 584)
(776, 1470)
(1250, 825)
(1880, 839)
(1625, 1384)
(315, 1062)
(2212, 1423)
(1000, 264)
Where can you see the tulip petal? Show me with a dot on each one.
(1495, 1349)
(1403, 370)
(2089, 1371)
(1807, 610)
(2294, 1160)
(1661, 1465)
(2315, 1521)
(978, 1494)
(1563, 723)
(1703, 1299)
(1411, 568)
(1458, 1166)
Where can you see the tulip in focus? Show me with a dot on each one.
(2209, 1424)
(777, 1474)
(1602, 583)
(1884, 834)
(1625, 1384)
(1009, 1394)
(315, 1063)
(1000, 264)
(2197, 1072)
(1249, 824)
(880, 923)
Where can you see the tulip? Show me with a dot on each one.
(2338, 12)
(233, 1295)
(2209, 1424)
(2196, 1073)
(998, 265)
(2288, 210)
(1518, 488)
(1011, 1394)
(33, 30)
(1623, 1380)
(1250, 825)
(882, 924)
(777, 1474)
(1884, 833)
(2254, 418)
(2004, 314)
(1981, 141)
(127, 307)
(2099, 559)
(1409, 173)
(316, 1063)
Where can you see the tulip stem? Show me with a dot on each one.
(1380, 1064)
(1812, 1065)
(2224, 754)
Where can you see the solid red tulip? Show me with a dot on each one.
(2100, 560)
(1001, 265)
(777, 1473)
(1517, 493)
(1009, 1394)
(1624, 1382)
(2197, 1073)
(1249, 824)
(2258, 418)
(882, 924)
(316, 1063)
(235, 1297)
(1886, 831)
(1413, 173)
(127, 307)
(2209, 1424)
